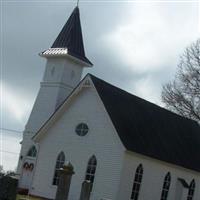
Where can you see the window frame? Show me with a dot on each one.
(32, 152)
(137, 182)
(82, 129)
(166, 186)
(59, 164)
(91, 170)
(191, 190)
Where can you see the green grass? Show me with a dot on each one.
(26, 197)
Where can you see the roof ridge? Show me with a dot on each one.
(139, 98)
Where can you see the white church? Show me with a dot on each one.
(127, 147)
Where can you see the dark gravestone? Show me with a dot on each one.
(85, 190)
(64, 182)
(8, 188)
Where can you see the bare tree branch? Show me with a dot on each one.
(183, 94)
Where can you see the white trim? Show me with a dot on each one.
(62, 52)
(49, 121)
(55, 84)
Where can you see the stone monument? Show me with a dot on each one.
(65, 174)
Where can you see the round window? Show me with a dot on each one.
(82, 129)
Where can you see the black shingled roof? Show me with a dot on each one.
(71, 38)
(148, 129)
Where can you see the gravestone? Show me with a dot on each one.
(85, 190)
(65, 174)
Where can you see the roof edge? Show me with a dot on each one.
(59, 108)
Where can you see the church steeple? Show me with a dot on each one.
(70, 40)
(65, 62)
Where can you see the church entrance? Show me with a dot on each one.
(27, 173)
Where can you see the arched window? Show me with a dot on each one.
(137, 182)
(32, 151)
(59, 164)
(166, 185)
(91, 168)
(191, 190)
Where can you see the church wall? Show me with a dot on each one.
(62, 70)
(27, 143)
(101, 141)
(60, 77)
(43, 108)
(153, 177)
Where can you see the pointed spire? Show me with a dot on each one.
(71, 38)
(77, 3)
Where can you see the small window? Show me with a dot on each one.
(52, 71)
(166, 185)
(191, 190)
(91, 169)
(59, 164)
(82, 129)
(32, 152)
(137, 182)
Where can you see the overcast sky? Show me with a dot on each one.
(133, 45)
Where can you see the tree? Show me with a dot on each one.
(1, 171)
(6, 173)
(182, 95)
(1, 168)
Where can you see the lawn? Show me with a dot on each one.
(25, 197)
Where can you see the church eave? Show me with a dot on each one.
(63, 52)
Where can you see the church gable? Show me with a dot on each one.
(84, 103)
(85, 84)
(99, 138)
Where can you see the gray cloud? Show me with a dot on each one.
(117, 37)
